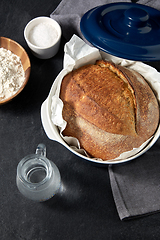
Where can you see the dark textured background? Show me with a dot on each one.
(86, 210)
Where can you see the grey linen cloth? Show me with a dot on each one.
(136, 184)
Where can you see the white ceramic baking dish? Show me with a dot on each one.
(53, 133)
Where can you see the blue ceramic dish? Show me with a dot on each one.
(126, 30)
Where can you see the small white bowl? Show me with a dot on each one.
(43, 36)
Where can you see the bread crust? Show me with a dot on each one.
(108, 108)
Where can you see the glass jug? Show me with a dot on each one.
(37, 177)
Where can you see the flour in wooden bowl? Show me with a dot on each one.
(12, 74)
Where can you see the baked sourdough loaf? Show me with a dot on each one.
(108, 108)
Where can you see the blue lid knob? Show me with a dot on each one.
(135, 17)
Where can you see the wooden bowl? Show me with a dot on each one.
(17, 49)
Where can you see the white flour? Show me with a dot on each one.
(11, 73)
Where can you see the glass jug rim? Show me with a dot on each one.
(35, 157)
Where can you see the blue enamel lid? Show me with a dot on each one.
(126, 30)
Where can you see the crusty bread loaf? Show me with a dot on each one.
(108, 108)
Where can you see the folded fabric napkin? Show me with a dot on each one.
(135, 184)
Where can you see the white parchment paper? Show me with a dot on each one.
(76, 54)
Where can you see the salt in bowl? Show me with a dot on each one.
(43, 35)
